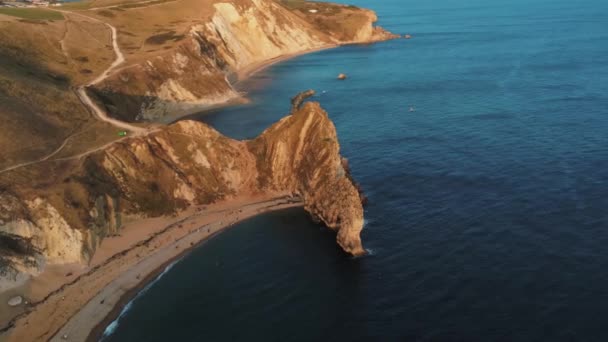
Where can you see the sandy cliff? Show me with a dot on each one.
(184, 164)
(196, 72)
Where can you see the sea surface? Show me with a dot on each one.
(488, 204)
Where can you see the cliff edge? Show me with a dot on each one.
(187, 163)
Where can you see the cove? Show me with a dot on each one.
(487, 216)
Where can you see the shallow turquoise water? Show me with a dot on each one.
(488, 214)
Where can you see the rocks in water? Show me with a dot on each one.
(15, 301)
(342, 76)
(297, 100)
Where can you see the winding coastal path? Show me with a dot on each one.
(82, 93)
(86, 100)
(47, 157)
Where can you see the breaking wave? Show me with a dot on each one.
(111, 328)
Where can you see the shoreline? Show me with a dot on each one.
(246, 72)
(96, 333)
(239, 76)
(84, 307)
(131, 294)
(254, 68)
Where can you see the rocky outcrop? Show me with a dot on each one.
(196, 73)
(301, 154)
(296, 101)
(184, 164)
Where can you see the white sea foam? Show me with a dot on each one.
(111, 328)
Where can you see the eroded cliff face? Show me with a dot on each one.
(239, 35)
(184, 164)
(301, 154)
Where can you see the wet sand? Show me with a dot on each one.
(76, 302)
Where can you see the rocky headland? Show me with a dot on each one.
(187, 163)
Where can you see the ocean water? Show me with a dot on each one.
(488, 205)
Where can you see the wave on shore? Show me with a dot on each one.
(111, 328)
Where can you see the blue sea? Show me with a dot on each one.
(488, 204)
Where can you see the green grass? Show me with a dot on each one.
(146, 4)
(31, 13)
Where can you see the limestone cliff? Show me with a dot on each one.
(301, 154)
(180, 165)
(197, 71)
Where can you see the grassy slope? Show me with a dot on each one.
(138, 25)
(31, 13)
(39, 108)
(46, 54)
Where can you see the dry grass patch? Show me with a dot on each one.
(161, 38)
(31, 13)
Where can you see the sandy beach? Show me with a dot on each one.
(250, 70)
(76, 302)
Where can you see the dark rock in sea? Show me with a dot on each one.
(296, 101)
